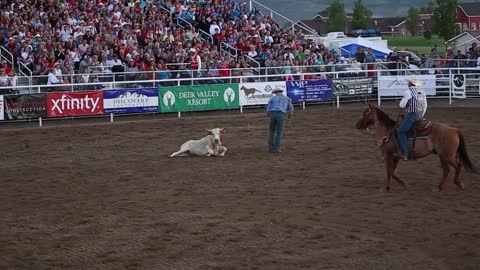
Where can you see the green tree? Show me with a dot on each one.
(413, 20)
(336, 16)
(427, 34)
(444, 17)
(361, 16)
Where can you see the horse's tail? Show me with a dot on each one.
(463, 155)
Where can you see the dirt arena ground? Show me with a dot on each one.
(106, 196)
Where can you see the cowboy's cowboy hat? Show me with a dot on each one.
(415, 81)
(277, 90)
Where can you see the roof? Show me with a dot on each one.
(318, 25)
(473, 34)
(384, 24)
(471, 9)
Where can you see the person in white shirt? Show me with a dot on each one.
(52, 77)
(213, 28)
(415, 102)
(4, 80)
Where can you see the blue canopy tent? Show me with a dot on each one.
(351, 48)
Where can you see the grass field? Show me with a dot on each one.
(418, 44)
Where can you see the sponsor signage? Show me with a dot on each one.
(130, 100)
(459, 86)
(198, 98)
(74, 103)
(258, 93)
(309, 90)
(28, 106)
(397, 85)
(353, 86)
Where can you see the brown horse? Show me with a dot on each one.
(437, 138)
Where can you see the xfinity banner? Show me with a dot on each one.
(311, 90)
(29, 106)
(130, 100)
(74, 104)
(397, 85)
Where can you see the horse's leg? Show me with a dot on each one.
(446, 171)
(399, 181)
(388, 181)
(458, 169)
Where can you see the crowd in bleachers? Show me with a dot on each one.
(172, 38)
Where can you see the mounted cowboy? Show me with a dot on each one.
(414, 101)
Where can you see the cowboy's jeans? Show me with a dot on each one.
(276, 129)
(405, 126)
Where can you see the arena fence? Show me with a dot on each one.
(236, 93)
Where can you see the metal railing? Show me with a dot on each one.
(7, 55)
(207, 35)
(232, 75)
(225, 47)
(272, 12)
(443, 84)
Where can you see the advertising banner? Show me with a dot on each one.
(130, 100)
(258, 93)
(397, 85)
(315, 90)
(1, 108)
(74, 103)
(459, 86)
(353, 86)
(198, 98)
(28, 106)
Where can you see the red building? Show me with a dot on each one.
(468, 16)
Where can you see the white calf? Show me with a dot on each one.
(210, 145)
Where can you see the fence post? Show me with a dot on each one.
(379, 101)
(450, 86)
(40, 123)
(179, 114)
(111, 118)
(338, 101)
(241, 109)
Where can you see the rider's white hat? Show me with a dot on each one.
(415, 81)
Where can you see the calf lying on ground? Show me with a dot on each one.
(210, 145)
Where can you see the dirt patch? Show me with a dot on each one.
(106, 196)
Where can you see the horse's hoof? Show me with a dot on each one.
(436, 189)
(461, 186)
(384, 189)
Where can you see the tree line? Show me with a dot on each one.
(444, 15)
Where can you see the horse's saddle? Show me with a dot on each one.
(422, 128)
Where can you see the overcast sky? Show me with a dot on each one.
(306, 9)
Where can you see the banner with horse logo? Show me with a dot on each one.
(396, 85)
(130, 100)
(309, 90)
(198, 98)
(258, 93)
